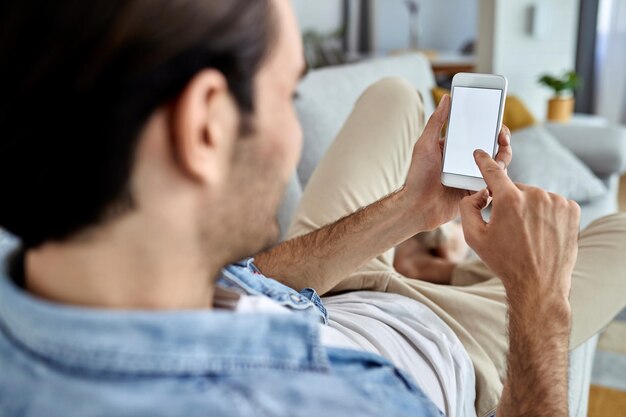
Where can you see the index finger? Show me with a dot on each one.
(495, 177)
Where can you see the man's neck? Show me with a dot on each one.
(129, 265)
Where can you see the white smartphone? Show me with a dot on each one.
(474, 122)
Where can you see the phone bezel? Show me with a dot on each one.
(465, 79)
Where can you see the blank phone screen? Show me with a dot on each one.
(473, 125)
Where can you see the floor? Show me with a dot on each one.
(606, 402)
(607, 397)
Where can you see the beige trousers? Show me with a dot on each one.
(368, 160)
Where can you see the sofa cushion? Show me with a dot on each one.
(602, 147)
(290, 202)
(540, 160)
(326, 97)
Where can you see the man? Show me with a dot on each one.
(146, 145)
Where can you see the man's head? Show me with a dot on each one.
(175, 109)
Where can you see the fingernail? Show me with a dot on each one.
(501, 164)
(508, 138)
(478, 152)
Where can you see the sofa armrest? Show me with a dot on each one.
(601, 148)
(580, 367)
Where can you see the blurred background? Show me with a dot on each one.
(520, 39)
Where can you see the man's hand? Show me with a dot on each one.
(322, 258)
(531, 240)
(531, 243)
(435, 203)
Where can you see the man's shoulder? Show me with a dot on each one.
(59, 361)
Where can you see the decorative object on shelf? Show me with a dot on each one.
(322, 50)
(561, 106)
(414, 24)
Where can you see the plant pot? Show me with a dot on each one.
(560, 109)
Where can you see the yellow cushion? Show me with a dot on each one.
(516, 115)
(438, 94)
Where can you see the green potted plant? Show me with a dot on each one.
(561, 106)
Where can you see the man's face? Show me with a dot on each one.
(266, 159)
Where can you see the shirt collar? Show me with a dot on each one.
(155, 342)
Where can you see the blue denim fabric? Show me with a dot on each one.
(246, 277)
(60, 360)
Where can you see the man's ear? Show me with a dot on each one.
(204, 127)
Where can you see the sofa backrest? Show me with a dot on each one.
(325, 99)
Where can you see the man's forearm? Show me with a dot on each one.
(537, 382)
(322, 258)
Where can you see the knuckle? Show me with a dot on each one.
(505, 155)
(574, 208)
(490, 166)
(539, 196)
(558, 200)
(490, 169)
(512, 197)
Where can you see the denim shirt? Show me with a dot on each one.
(245, 277)
(61, 360)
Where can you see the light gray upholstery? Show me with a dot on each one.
(325, 99)
(602, 206)
(542, 161)
(581, 361)
(290, 202)
(327, 96)
(601, 148)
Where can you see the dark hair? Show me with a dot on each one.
(79, 79)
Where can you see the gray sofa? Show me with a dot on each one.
(326, 98)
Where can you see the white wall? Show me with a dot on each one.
(506, 48)
(321, 15)
(445, 24)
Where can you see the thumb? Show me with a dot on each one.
(438, 119)
(471, 217)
